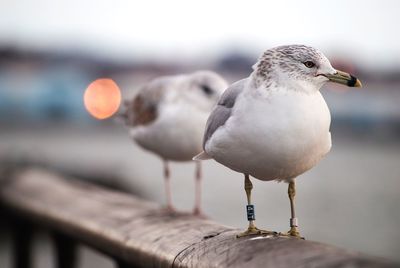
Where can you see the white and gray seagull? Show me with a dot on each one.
(274, 125)
(168, 116)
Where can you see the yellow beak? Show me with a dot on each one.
(344, 79)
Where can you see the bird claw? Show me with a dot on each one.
(293, 232)
(199, 213)
(170, 210)
(256, 231)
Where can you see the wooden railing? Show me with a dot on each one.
(137, 233)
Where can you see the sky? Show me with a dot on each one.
(168, 30)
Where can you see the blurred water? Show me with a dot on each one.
(351, 199)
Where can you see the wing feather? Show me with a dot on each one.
(223, 110)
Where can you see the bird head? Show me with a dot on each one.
(205, 88)
(299, 67)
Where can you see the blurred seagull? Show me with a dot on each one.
(168, 117)
(274, 125)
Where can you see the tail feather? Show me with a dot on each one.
(201, 156)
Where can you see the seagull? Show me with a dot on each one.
(168, 116)
(274, 125)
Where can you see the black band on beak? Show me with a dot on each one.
(352, 81)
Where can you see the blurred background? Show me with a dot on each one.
(50, 51)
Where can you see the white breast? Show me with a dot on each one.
(176, 134)
(273, 137)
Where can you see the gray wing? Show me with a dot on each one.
(223, 110)
(143, 108)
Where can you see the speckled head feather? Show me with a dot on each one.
(290, 60)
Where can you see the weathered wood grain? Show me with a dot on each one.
(139, 232)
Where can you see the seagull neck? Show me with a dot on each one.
(257, 81)
(301, 86)
(266, 81)
(281, 81)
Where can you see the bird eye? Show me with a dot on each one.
(309, 64)
(207, 90)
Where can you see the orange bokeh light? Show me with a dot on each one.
(102, 98)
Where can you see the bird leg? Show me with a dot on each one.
(252, 229)
(170, 207)
(294, 232)
(197, 207)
